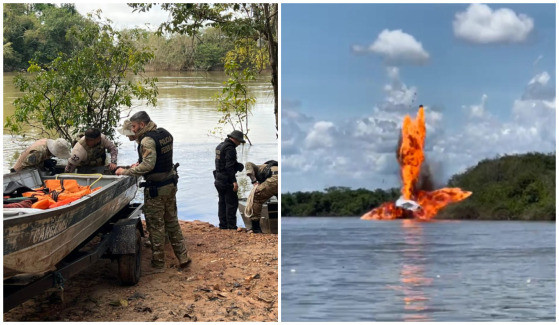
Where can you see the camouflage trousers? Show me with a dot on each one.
(162, 219)
(263, 192)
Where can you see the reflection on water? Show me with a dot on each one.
(413, 272)
(343, 269)
(186, 109)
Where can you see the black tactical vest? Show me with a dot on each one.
(266, 172)
(220, 154)
(164, 149)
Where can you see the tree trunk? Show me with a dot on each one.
(271, 25)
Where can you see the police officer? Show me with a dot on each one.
(226, 166)
(265, 178)
(126, 129)
(40, 153)
(90, 151)
(155, 163)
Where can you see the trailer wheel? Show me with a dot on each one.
(129, 265)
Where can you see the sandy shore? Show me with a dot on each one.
(233, 277)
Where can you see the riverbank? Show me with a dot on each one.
(186, 109)
(233, 277)
(511, 187)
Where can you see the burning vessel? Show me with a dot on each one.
(414, 202)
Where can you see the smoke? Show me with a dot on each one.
(425, 180)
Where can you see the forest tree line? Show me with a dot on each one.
(78, 69)
(510, 187)
(39, 32)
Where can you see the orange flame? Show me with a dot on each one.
(433, 202)
(410, 156)
(386, 211)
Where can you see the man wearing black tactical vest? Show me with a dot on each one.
(226, 166)
(155, 163)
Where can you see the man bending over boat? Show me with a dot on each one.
(40, 152)
(265, 180)
(155, 163)
(90, 151)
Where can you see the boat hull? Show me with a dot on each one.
(36, 242)
(268, 219)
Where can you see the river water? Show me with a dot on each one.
(347, 269)
(186, 109)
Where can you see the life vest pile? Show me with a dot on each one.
(58, 192)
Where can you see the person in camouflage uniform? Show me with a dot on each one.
(155, 153)
(265, 178)
(90, 151)
(39, 152)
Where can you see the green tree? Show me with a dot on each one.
(211, 50)
(238, 20)
(335, 201)
(38, 32)
(18, 19)
(512, 187)
(88, 88)
(234, 102)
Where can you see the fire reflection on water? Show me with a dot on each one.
(412, 274)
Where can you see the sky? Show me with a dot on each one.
(350, 73)
(123, 17)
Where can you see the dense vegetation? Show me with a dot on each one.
(512, 187)
(335, 201)
(515, 187)
(87, 87)
(74, 70)
(40, 31)
(239, 38)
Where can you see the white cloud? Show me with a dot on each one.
(481, 24)
(538, 89)
(356, 152)
(293, 124)
(396, 47)
(361, 152)
(477, 111)
(123, 17)
(397, 93)
(321, 135)
(531, 127)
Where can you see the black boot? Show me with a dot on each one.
(256, 227)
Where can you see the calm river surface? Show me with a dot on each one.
(347, 269)
(186, 109)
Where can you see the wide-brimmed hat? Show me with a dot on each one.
(237, 135)
(59, 148)
(126, 128)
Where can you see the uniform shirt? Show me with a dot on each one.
(149, 157)
(148, 150)
(79, 154)
(34, 156)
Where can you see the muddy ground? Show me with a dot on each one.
(233, 277)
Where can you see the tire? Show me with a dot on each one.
(129, 265)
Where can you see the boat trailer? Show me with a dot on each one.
(119, 239)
